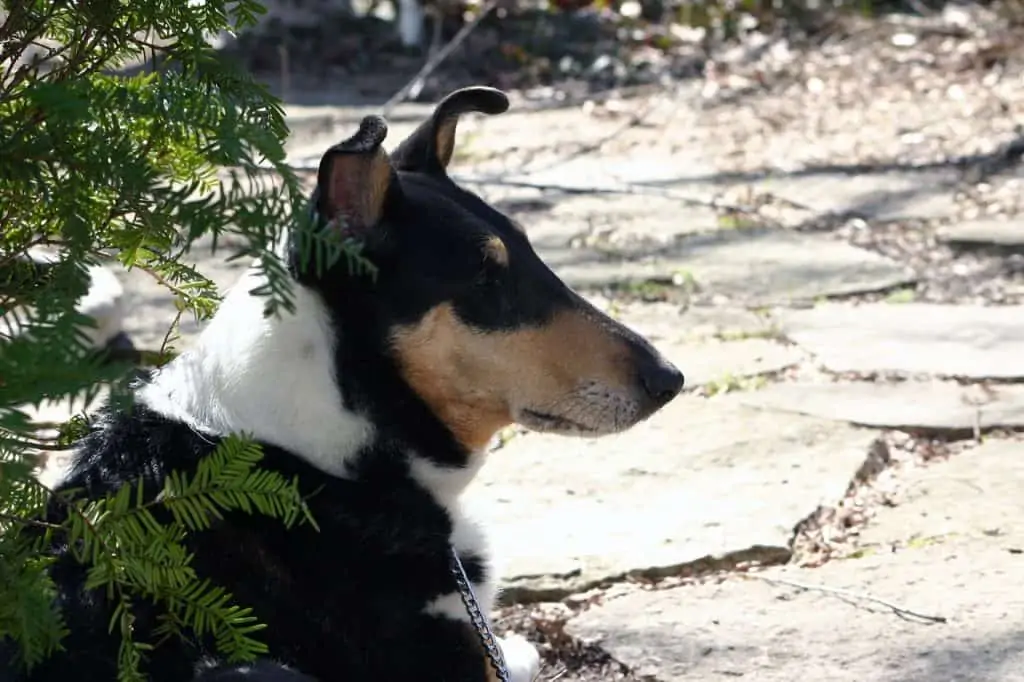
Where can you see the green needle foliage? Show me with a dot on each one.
(99, 165)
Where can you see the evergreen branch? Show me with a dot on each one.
(129, 551)
(28, 612)
(227, 480)
(130, 653)
(208, 610)
(170, 335)
(167, 134)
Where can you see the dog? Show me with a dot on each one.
(103, 302)
(381, 395)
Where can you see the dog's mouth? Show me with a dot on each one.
(542, 421)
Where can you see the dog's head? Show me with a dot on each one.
(463, 316)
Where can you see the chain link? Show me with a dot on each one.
(477, 618)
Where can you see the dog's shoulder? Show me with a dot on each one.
(131, 442)
(379, 508)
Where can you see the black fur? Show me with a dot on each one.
(261, 671)
(347, 598)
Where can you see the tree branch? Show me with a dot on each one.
(416, 84)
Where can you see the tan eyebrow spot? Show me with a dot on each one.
(496, 250)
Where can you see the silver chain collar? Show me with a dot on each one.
(477, 618)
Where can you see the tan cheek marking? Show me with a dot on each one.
(554, 359)
(447, 365)
(470, 379)
(495, 250)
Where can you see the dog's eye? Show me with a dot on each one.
(486, 301)
(487, 277)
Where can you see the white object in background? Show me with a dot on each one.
(410, 22)
(104, 302)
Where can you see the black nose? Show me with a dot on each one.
(662, 381)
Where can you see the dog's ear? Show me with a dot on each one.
(355, 176)
(429, 148)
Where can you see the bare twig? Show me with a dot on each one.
(165, 345)
(558, 675)
(416, 84)
(140, 357)
(13, 518)
(160, 279)
(40, 445)
(900, 611)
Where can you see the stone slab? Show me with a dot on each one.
(873, 196)
(908, 404)
(664, 320)
(985, 232)
(915, 338)
(711, 346)
(587, 173)
(700, 480)
(750, 629)
(756, 267)
(725, 322)
(973, 494)
(620, 222)
(715, 361)
(597, 146)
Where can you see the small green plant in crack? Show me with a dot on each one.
(904, 295)
(614, 310)
(646, 290)
(770, 332)
(504, 437)
(862, 553)
(730, 383)
(686, 280)
(919, 541)
(736, 221)
(680, 283)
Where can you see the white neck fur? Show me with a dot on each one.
(273, 378)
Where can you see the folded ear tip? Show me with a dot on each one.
(373, 128)
(480, 98)
(372, 131)
(493, 101)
